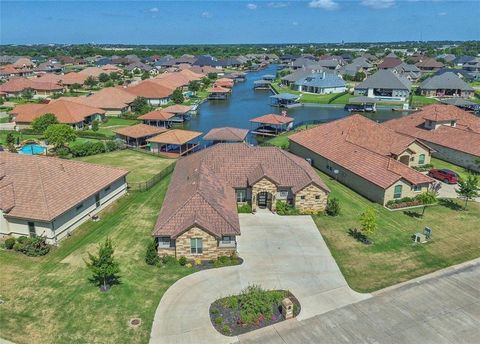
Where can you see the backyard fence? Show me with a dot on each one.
(146, 185)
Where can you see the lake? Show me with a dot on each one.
(245, 104)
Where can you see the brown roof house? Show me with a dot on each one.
(199, 216)
(226, 134)
(175, 142)
(155, 93)
(373, 160)
(138, 134)
(50, 196)
(453, 133)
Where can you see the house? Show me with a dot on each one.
(369, 158)
(67, 112)
(390, 62)
(51, 197)
(41, 89)
(10, 71)
(461, 60)
(453, 133)
(446, 85)
(138, 134)
(73, 78)
(155, 93)
(199, 219)
(473, 65)
(384, 85)
(429, 64)
(175, 142)
(290, 79)
(114, 100)
(321, 83)
(408, 71)
(302, 62)
(158, 118)
(226, 134)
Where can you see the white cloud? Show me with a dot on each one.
(442, 13)
(252, 6)
(378, 4)
(277, 4)
(325, 4)
(206, 14)
(154, 9)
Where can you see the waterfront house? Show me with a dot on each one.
(271, 124)
(137, 135)
(373, 160)
(320, 83)
(175, 142)
(199, 219)
(50, 197)
(158, 118)
(453, 133)
(155, 93)
(114, 100)
(445, 85)
(225, 135)
(384, 85)
(181, 112)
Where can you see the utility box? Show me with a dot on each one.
(287, 308)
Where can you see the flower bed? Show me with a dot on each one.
(254, 308)
(424, 198)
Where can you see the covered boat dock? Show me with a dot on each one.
(362, 104)
(284, 100)
(271, 124)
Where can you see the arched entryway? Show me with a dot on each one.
(405, 159)
(264, 200)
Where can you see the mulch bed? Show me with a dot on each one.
(231, 317)
(208, 264)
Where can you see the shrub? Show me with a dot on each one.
(427, 197)
(226, 328)
(255, 302)
(182, 261)
(423, 168)
(111, 145)
(244, 208)
(169, 260)
(214, 311)
(23, 239)
(218, 320)
(32, 246)
(283, 208)
(87, 148)
(333, 207)
(95, 125)
(151, 255)
(62, 152)
(9, 243)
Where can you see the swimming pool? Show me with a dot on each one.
(32, 149)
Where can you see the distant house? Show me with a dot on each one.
(155, 93)
(371, 159)
(390, 62)
(290, 79)
(321, 83)
(199, 218)
(41, 89)
(446, 85)
(67, 112)
(114, 100)
(461, 60)
(408, 71)
(50, 197)
(473, 65)
(453, 133)
(384, 85)
(429, 64)
(302, 62)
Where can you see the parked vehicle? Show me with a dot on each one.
(445, 175)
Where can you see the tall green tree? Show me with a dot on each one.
(60, 134)
(91, 82)
(140, 106)
(40, 124)
(103, 77)
(468, 189)
(10, 139)
(27, 94)
(177, 97)
(103, 266)
(368, 220)
(194, 86)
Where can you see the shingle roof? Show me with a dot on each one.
(323, 80)
(363, 148)
(202, 193)
(390, 62)
(42, 188)
(385, 79)
(465, 137)
(140, 130)
(176, 137)
(21, 84)
(446, 80)
(226, 134)
(429, 63)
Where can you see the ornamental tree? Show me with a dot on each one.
(40, 124)
(60, 134)
(103, 266)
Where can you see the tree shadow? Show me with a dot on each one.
(413, 214)
(450, 204)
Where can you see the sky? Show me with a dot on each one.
(223, 22)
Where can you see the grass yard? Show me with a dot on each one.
(50, 300)
(113, 123)
(21, 136)
(142, 166)
(393, 258)
(422, 101)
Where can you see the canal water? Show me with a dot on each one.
(245, 104)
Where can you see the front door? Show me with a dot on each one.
(264, 200)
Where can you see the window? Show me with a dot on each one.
(241, 195)
(317, 197)
(302, 197)
(80, 206)
(226, 239)
(283, 194)
(196, 246)
(107, 188)
(31, 229)
(397, 193)
(452, 123)
(164, 241)
(417, 188)
(329, 165)
(421, 159)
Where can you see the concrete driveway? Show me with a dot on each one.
(279, 253)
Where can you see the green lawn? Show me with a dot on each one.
(113, 123)
(393, 258)
(422, 101)
(4, 119)
(21, 136)
(50, 300)
(142, 166)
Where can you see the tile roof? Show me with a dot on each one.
(66, 111)
(272, 119)
(175, 136)
(140, 130)
(74, 78)
(109, 98)
(92, 71)
(157, 115)
(464, 137)
(226, 134)
(178, 109)
(341, 141)
(218, 89)
(43, 188)
(21, 84)
(202, 193)
(150, 90)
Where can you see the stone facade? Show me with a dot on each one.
(211, 249)
(263, 185)
(311, 199)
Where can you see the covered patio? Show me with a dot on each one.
(271, 124)
(137, 135)
(218, 93)
(284, 99)
(181, 112)
(174, 143)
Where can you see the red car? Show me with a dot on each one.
(446, 176)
